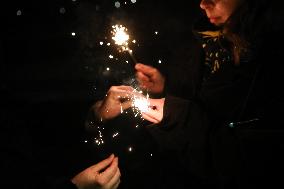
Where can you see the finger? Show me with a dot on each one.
(125, 87)
(115, 180)
(149, 118)
(116, 184)
(103, 164)
(110, 171)
(142, 77)
(147, 70)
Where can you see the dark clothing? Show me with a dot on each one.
(228, 135)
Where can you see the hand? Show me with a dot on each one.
(149, 78)
(117, 99)
(156, 110)
(103, 175)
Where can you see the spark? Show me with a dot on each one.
(140, 103)
(121, 37)
(115, 135)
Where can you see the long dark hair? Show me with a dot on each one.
(247, 25)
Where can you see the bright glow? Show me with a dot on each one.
(159, 61)
(133, 1)
(141, 102)
(101, 43)
(115, 135)
(120, 36)
(107, 69)
(108, 44)
(117, 4)
(19, 13)
(110, 56)
(156, 32)
(73, 33)
(62, 10)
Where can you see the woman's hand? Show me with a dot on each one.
(103, 175)
(155, 112)
(117, 99)
(149, 78)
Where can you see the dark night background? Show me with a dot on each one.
(50, 78)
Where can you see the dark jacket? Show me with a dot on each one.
(229, 133)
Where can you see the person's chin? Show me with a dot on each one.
(215, 21)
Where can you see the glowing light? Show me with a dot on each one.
(85, 141)
(156, 32)
(133, 1)
(19, 13)
(107, 70)
(110, 56)
(140, 102)
(101, 43)
(108, 44)
(62, 10)
(73, 33)
(121, 38)
(130, 149)
(115, 135)
(134, 41)
(117, 4)
(99, 140)
(159, 61)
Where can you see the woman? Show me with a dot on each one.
(238, 86)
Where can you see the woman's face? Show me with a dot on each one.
(218, 11)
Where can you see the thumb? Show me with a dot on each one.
(103, 164)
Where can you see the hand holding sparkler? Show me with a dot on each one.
(120, 98)
(150, 79)
(115, 102)
(121, 38)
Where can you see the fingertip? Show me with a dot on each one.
(111, 156)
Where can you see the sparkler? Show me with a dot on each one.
(140, 103)
(121, 38)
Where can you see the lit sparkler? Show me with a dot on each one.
(121, 38)
(140, 103)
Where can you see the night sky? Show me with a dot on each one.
(53, 68)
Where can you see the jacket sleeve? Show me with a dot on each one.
(184, 131)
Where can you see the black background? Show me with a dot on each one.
(49, 78)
